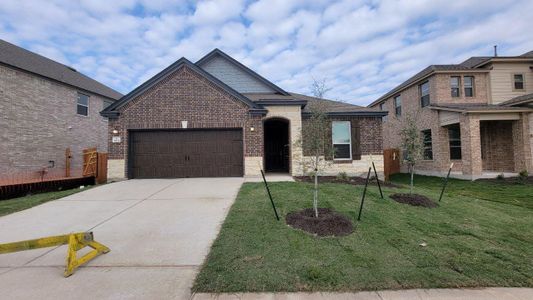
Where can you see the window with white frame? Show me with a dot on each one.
(424, 94)
(455, 84)
(82, 105)
(382, 108)
(518, 82)
(342, 140)
(427, 144)
(469, 86)
(398, 105)
(454, 139)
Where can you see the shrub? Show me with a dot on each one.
(500, 176)
(311, 175)
(522, 176)
(342, 176)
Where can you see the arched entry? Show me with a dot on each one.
(277, 145)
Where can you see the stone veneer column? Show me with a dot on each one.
(471, 145)
(292, 113)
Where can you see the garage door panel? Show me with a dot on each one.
(186, 153)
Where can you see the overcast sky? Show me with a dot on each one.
(361, 48)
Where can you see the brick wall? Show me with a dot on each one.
(369, 144)
(426, 119)
(507, 152)
(441, 89)
(39, 121)
(186, 96)
(370, 141)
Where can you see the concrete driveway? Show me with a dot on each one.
(159, 232)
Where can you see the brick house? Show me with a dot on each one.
(217, 117)
(45, 108)
(476, 114)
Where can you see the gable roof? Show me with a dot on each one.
(255, 101)
(471, 64)
(419, 76)
(20, 58)
(338, 108)
(527, 54)
(219, 53)
(474, 61)
(524, 99)
(111, 111)
(307, 103)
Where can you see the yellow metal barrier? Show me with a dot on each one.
(75, 241)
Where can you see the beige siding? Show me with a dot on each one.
(501, 80)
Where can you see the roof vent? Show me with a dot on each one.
(495, 50)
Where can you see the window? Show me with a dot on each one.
(83, 105)
(454, 138)
(398, 105)
(424, 94)
(382, 108)
(518, 82)
(455, 83)
(427, 144)
(469, 86)
(342, 141)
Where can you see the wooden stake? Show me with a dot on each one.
(67, 162)
(445, 182)
(269, 195)
(377, 178)
(364, 193)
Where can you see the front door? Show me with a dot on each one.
(277, 147)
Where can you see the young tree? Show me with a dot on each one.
(314, 136)
(411, 145)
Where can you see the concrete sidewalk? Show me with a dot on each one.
(159, 232)
(415, 294)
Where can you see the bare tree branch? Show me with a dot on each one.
(411, 144)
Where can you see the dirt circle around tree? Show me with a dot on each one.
(414, 200)
(328, 223)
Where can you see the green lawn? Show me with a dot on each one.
(471, 242)
(17, 204)
(516, 194)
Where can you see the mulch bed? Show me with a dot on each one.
(328, 223)
(350, 180)
(414, 200)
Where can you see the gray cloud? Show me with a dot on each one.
(362, 48)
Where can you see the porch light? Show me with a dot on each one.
(252, 128)
(115, 131)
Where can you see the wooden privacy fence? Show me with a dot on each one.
(391, 162)
(95, 165)
(46, 179)
(101, 168)
(90, 162)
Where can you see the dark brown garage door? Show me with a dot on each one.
(185, 153)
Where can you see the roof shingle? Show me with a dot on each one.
(524, 99)
(21, 58)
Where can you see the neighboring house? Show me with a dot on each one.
(45, 108)
(474, 114)
(216, 117)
